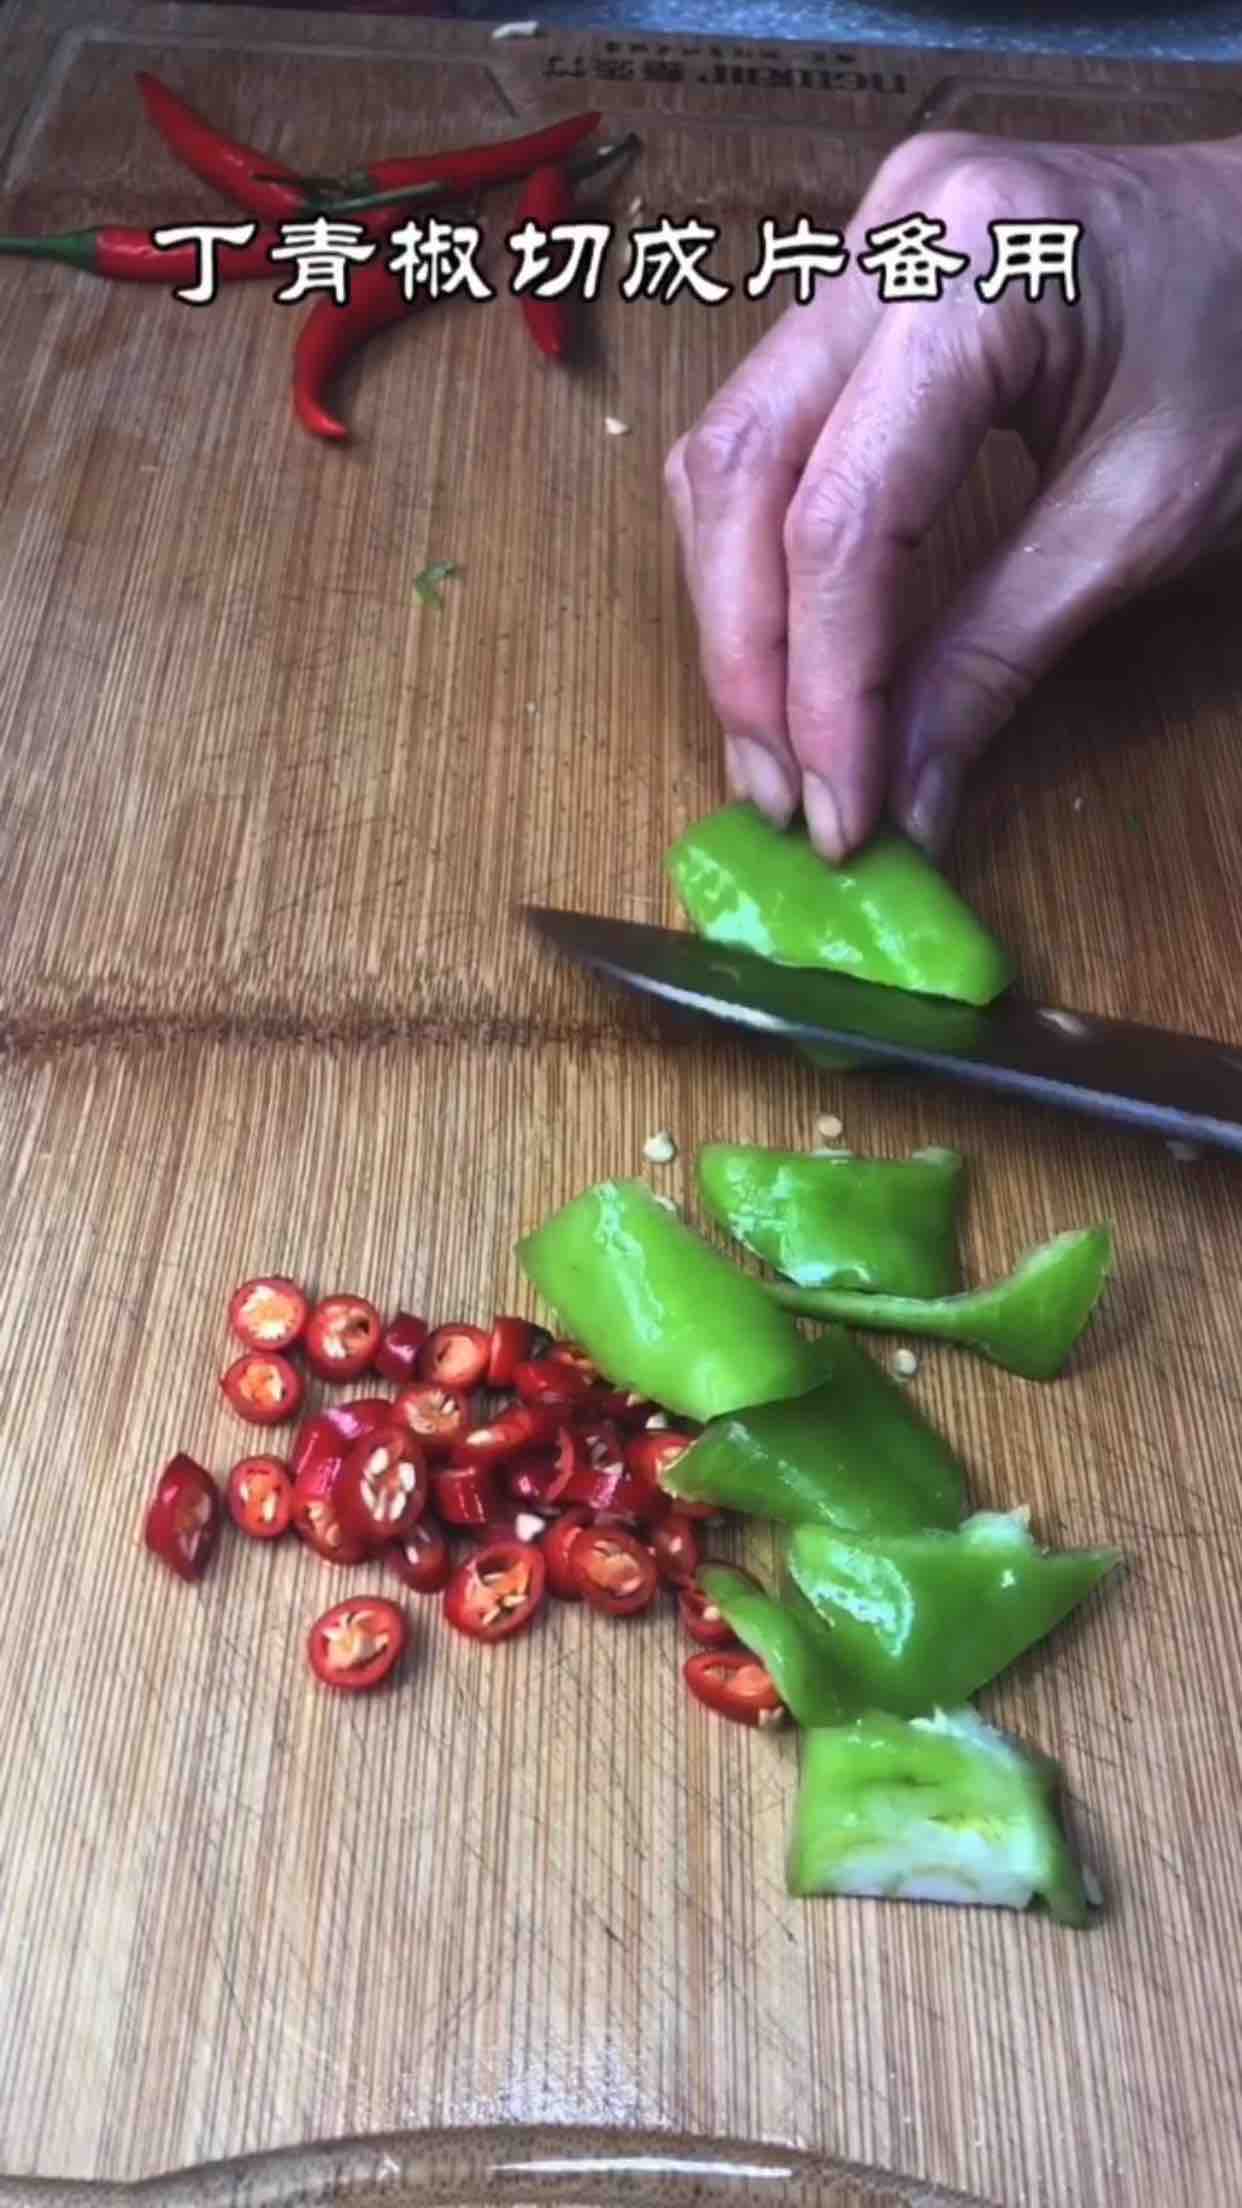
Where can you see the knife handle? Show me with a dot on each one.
(506, 2166)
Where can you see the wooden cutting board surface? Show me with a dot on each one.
(263, 1005)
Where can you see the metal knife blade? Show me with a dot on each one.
(1181, 1086)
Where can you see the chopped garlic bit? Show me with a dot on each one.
(668, 1203)
(657, 1422)
(829, 1128)
(527, 1527)
(1079, 802)
(616, 428)
(660, 1149)
(636, 205)
(527, 29)
(905, 1364)
(1186, 1153)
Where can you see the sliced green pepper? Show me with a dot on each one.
(876, 1224)
(1028, 1322)
(921, 1621)
(941, 1809)
(660, 1311)
(794, 1656)
(854, 1453)
(886, 915)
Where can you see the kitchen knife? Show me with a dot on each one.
(1180, 1086)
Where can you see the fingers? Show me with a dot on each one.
(730, 483)
(903, 434)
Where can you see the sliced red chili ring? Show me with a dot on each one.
(316, 1512)
(422, 1558)
(261, 1497)
(523, 1426)
(558, 1544)
(383, 1485)
(649, 1456)
(496, 1591)
(614, 1571)
(466, 1495)
(537, 1479)
(439, 1417)
(610, 1489)
(511, 1343)
(734, 1684)
(356, 1644)
(342, 1336)
(675, 1547)
(184, 1517)
(397, 1355)
(269, 1313)
(263, 1388)
(547, 1380)
(702, 1620)
(572, 1353)
(455, 1357)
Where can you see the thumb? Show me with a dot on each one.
(1094, 536)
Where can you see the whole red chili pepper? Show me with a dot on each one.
(128, 256)
(547, 199)
(257, 181)
(468, 168)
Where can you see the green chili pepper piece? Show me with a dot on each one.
(1027, 1323)
(855, 1454)
(921, 1621)
(943, 1808)
(794, 1658)
(874, 1224)
(660, 1310)
(886, 915)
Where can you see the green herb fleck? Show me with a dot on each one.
(427, 582)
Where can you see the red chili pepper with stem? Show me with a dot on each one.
(465, 169)
(547, 199)
(331, 335)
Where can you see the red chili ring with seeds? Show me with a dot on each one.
(523, 1426)
(437, 1417)
(558, 1547)
(342, 1336)
(509, 1345)
(734, 1684)
(396, 1358)
(383, 1485)
(613, 1571)
(572, 1353)
(263, 1388)
(466, 1495)
(610, 1489)
(261, 1497)
(316, 1512)
(496, 1591)
(537, 1480)
(183, 1518)
(675, 1547)
(422, 1558)
(702, 1620)
(356, 1644)
(455, 1356)
(270, 1313)
(544, 1380)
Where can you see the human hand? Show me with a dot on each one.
(805, 488)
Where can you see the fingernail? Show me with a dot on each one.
(758, 774)
(934, 804)
(823, 817)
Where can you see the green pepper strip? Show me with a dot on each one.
(794, 1657)
(854, 1453)
(944, 1808)
(886, 915)
(660, 1310)
(920, 1621)
(1028, 1323)
(882, 1225)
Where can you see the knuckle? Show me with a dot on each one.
(988, 182)
(827, 525)
(731, 438)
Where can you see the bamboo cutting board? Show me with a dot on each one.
(264, 1005)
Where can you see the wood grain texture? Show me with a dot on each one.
(264, 820)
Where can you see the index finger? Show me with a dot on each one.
(934, 378)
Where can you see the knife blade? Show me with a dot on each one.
(1184, 1087)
